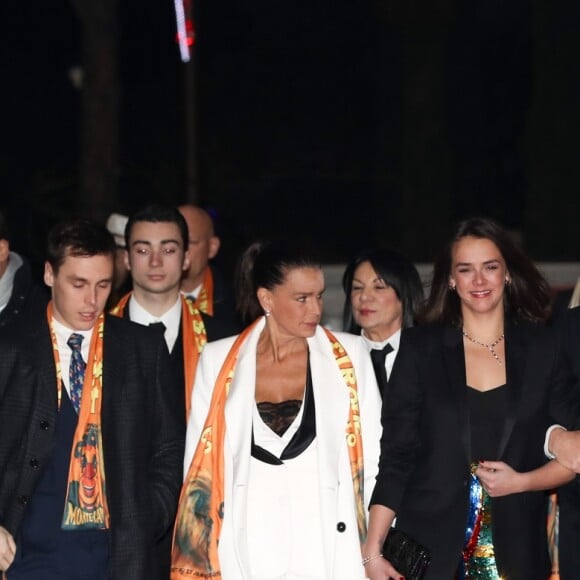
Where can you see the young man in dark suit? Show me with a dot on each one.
(157, 255)
(91, 436)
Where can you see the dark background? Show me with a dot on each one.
(339, 124)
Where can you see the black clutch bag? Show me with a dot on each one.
(407, 556)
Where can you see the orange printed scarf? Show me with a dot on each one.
(353, 433)
(204, 300)
(194, 339)
(86, 505)
(201, 505)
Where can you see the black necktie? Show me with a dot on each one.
(157, 325)
(378, 356)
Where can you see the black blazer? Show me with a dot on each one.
(215, 329)
(569, 495)
(143, 436)
(426, 445)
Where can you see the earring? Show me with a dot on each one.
(452, 287)
(267, 313)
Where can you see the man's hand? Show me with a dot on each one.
(565, 445)
(7, 549)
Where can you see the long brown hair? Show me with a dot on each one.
(526, 297)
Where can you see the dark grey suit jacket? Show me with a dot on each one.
(426, 445)
(143, 436)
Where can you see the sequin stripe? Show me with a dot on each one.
(478, 561)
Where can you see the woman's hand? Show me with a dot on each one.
(499, 479)
(381, 569)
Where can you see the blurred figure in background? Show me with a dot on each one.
(21, 297)
(116, 223)
(202, 282)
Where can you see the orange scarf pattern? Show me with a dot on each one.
(86, 505)
(201, 505)
(194, 339)
(353, 433)
(204, 300)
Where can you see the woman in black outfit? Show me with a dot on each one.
(383, 295)
(469, 403)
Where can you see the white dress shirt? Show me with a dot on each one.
(171, 319)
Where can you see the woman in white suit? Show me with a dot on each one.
(283, 438)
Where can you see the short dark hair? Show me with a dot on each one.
(3, 228)
(78, 237)
(155, 214)
(265, 264)
(527, 296)
(395, 270)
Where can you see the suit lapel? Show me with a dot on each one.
(454, 360)
(515, 349)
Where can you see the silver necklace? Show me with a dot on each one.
(491, 346)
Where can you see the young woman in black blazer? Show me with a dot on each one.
(469, 402)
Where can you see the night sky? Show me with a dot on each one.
(342, 125)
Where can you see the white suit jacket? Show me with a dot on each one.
(342, 556)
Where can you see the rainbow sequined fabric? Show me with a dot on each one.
(478, 562)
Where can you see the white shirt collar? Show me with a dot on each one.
(394, 340)
(171, 319)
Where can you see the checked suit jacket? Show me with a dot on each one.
(143, 436)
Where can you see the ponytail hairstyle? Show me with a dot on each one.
(265, 264)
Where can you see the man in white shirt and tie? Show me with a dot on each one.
(91, 443)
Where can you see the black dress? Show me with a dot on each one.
(487, 412)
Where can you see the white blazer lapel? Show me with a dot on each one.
(332, 404)
(238, 415)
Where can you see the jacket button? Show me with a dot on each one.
(22, 499)
(34, 463)
(44, 425)
(340, 527)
